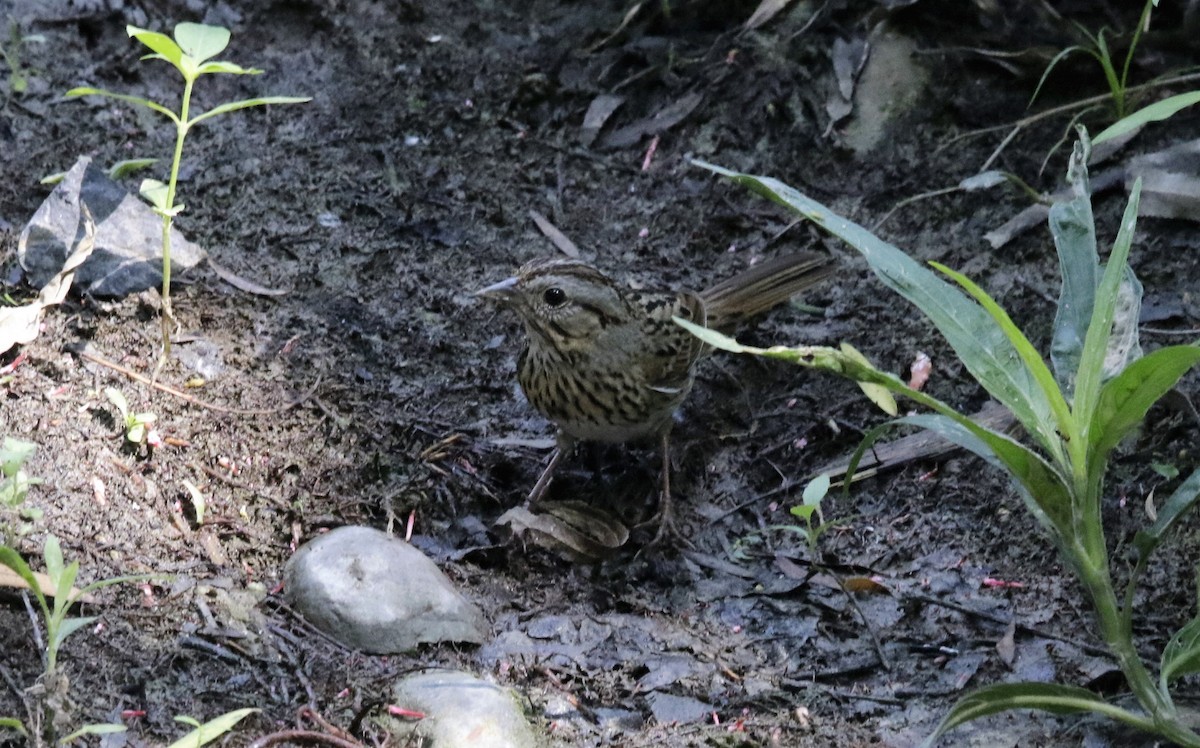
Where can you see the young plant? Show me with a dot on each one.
(1097, 47)
(136, 425)
(15, 483)
(1095, 391)
(203, 734)
(18, 76)
(191, 53)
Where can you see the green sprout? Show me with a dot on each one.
(18, 76)
(136, 425)
(191, 53)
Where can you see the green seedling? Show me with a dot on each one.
(1097, 47)
(1096, 390)
(15, 484)
(203, 734)
(18, 76)
(191, 53)
(136, 425)
(62, 580)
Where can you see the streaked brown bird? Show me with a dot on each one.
(606, 363)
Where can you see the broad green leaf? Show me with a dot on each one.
(100, 729)
(217, 66)
(1182, 654)
(1029, 355)
(1095, 347)
(1155, 112)
(201, 41)
(1047, 697)
(155, 193)
(977, 340)
(1126, 398)
(212, 729)
(160, 44)
(1074, 231)
(87, 91)
(1180, 501)
(233, 106)
(816, 490)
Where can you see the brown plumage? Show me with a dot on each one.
(607, 363)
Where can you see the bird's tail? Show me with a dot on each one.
(762, 287)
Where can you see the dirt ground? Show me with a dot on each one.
(388, 391)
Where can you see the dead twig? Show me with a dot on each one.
(83, 352)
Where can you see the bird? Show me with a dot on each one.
(607, 363)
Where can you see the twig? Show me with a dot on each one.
(82, 352)
(1087, 648)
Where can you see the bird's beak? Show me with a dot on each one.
(502, 291)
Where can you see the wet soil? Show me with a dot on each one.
(385, 392)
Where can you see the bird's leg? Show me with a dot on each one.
(565, 444)
(665, 517)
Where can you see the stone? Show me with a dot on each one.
(376, 593)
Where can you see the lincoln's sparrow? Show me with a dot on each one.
(606, 363)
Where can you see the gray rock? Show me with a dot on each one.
(128, 253)
(462, 711)
(669, 709)
(376, 593)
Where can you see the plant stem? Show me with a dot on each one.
(1118, 635)
(181, 130)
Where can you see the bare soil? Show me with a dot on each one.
(387, 391)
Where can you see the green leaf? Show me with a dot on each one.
(12, 724)
(13, 454)
(1047, 697)
(1029, 355)
(1126, 399)
(1180, 501)
(1155, 112)
(138, 100)
(160, 44)
(1074, 230)
(128, 166)
(69, 626)
(116, 397)
(100, 729)
(1043, 489)
(212, 729)
(1095, 347)
(155, 193)
(1182, 654)
(233, 106)
(13, 560)
(217, 66)
(52, 553)
(201, 41)
(876, 393)
(63, 584)
(977, 340)
(816, 490)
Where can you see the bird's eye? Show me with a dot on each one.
(555, 296)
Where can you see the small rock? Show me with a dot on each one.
(668, 709)
(463, 711)
(376, 593)
(128, 253)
